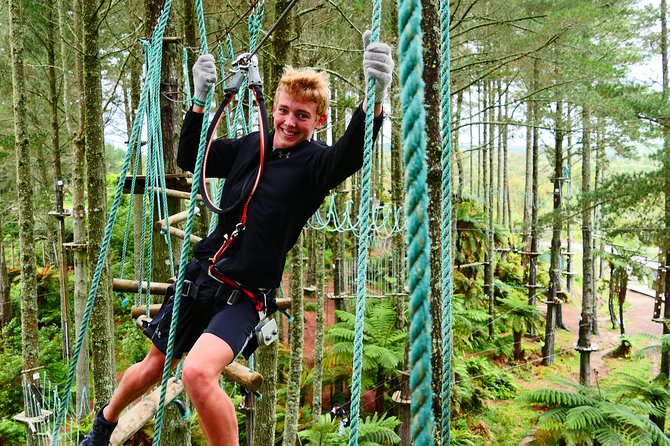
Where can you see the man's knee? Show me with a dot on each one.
(196, 375)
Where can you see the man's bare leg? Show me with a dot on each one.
(139, 378)
(200, 375)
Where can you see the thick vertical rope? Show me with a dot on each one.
(418, 252)
(183, 260)
(104, 247)
(447, 266)
(363, 241)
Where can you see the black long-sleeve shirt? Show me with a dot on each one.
(293, 185)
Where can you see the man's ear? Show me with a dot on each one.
(322, 120)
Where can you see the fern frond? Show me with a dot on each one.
(582, 417)
(554, 397)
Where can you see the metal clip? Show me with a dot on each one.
(238, 229)
(244, 65)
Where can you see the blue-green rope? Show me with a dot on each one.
(363, 241)
(447, 258)
(418, 252)
(104, 248)
(186, 243)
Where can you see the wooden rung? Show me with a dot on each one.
(528, 253)
(175, 181)
(568, 253)
(172, 193)
(284, 303)
(468, 265)
(309, 290)
(174, 219)
(141, 310)
(130, 286)
(75, 246)
(528, 285)
(397, 397)
(569, 273)
(243, 376)
(592, 348)
(178, 232)
(63, 214)
(141, 413)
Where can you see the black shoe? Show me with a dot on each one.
(100, 432)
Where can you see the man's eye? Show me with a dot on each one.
(302, 116)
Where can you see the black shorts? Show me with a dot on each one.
(232, 323)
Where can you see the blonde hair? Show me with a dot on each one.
(306, 84)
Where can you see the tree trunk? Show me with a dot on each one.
(320, 325)
(431, 78)
(102, 317)
(665, 248)
(534, 210)
(265, 408)
(489, 268)
(457, 154)
(499, 130)
(79, 227)
(622, 283)
(528, 185)
(553, 303)
(569, 278)
(588, 298)
(296, 340)
(29, 328)
(610, 300)
(518, 348)
(5, 284)
(177, 432)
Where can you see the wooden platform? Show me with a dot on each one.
(175, 181)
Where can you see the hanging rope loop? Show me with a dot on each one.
(245, 68)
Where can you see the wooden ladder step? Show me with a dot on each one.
(141, 413)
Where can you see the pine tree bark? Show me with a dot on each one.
(534, 211)
(102, 317)
(79, 223)
(5, 284)
(665, 246)
(317, 392)
(266, 358)
(431, 78)
(296, 341)
(29, 328)
(588, 293)
(553, 303)
(489, 268)
(528, 185)
(455, 146)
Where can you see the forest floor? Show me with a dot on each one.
(638, 311)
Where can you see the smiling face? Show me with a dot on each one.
(295, 120)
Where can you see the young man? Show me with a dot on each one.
(213, 328)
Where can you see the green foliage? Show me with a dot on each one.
(383, 343)
(375, 430)
(477, 380)
(12, 433)
(134, 345)
(584, 414)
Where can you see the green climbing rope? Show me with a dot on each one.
(447, 259)
(104, 248)
(363, 241)
(418, 252)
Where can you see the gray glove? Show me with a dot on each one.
(378, 64)
(204, 76)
